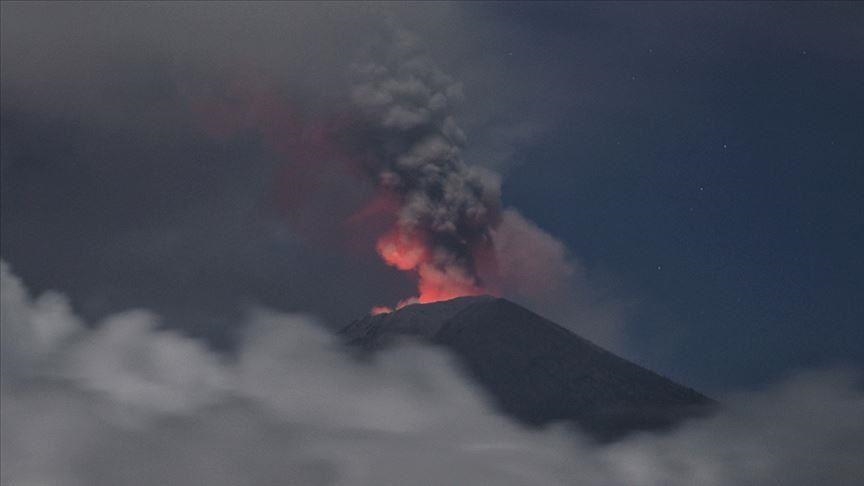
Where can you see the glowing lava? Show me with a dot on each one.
(445, 283)
(437, 280)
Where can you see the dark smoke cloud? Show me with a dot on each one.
(124, 402)
(450, 227)
(446, 207)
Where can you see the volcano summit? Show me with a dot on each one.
(535, 370)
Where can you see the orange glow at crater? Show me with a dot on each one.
(380, 309)
(444, 284)
(437, 281)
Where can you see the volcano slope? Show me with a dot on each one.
(535, 370)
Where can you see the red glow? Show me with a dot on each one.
(380, 309)
(436, 281)
(383, 204)
(251, 103)
(401, 250)
(436, 284)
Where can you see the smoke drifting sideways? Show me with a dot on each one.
(250, 137)
(125, 402)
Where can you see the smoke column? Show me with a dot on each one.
(446, 209)
(432, 216)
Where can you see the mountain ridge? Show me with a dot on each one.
(536, 370)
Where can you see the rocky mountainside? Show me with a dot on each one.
(537, 371)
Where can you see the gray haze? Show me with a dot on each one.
(200, 159)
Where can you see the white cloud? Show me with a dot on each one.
(127, 403)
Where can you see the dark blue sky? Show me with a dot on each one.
(706, 160)
(724, 186)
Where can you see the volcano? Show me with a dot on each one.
(535, 370)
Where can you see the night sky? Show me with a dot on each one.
(703, 161)
(719, 175)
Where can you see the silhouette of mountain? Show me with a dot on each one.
(535, 370)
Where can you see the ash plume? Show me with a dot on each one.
(447, 208)
(449, 226)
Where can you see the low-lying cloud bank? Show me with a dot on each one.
(125, 402)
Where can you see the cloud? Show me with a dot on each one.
(125, 402)
(806, 430)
